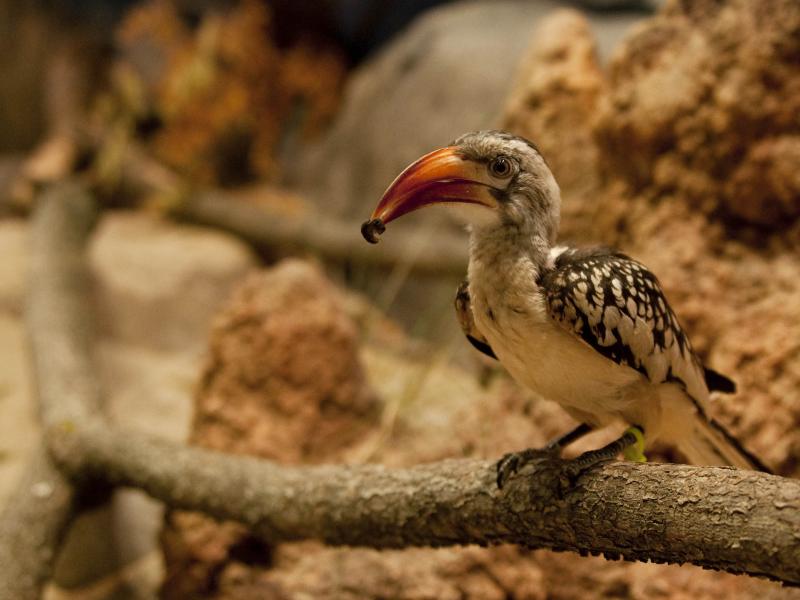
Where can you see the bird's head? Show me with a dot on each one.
(492, 178)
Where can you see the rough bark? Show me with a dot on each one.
(31, 526)
(36, 516)
(58, 312)
(719, 518)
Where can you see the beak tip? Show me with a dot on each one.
(372, 229)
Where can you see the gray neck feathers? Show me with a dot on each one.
(527, 231)
(504, 246)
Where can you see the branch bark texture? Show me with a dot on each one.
(31, 527)
(59, 306)
(37, 514)
(719, 518)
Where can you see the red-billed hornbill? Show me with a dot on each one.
(587, 328)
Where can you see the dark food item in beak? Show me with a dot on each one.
(372, 229)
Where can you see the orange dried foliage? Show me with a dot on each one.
(224, 92)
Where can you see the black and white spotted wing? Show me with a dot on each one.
(617, 306)
(463, 306)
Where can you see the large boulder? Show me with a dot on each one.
(158, 284)
(703, 104)
(283, 381)
(554, 102)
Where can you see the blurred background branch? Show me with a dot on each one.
(35, 519)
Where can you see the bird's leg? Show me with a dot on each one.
(631, 443)
(571, 436)
(511, 463)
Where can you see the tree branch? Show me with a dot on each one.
(32, 524)
(331, 238)
(719, 518)
(36, 516)
(58, 311)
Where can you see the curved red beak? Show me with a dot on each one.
(444, 175)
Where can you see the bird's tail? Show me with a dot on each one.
(709, 443)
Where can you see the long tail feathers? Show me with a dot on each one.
(711, 444)
(717, 382)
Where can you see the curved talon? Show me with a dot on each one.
(372, 229)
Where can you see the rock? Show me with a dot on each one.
(699, 187)
(423, 83)
(149, 389)
(284, 382)
(717, 219)
(764, 188)
(597, 577)
(554, 102)
(448, 573)
(706, 92)
(159, 284)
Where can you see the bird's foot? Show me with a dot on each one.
(577, 466)
(511, 463)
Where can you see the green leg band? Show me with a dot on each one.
(635, 452)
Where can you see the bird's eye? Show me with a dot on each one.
(501, 167)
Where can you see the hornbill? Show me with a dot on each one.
(588, 328)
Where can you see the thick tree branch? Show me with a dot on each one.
(31, 526)
(36, 516)
(720, 518)
(59, 306)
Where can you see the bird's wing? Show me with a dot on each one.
(616, 305)
(467, 322)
